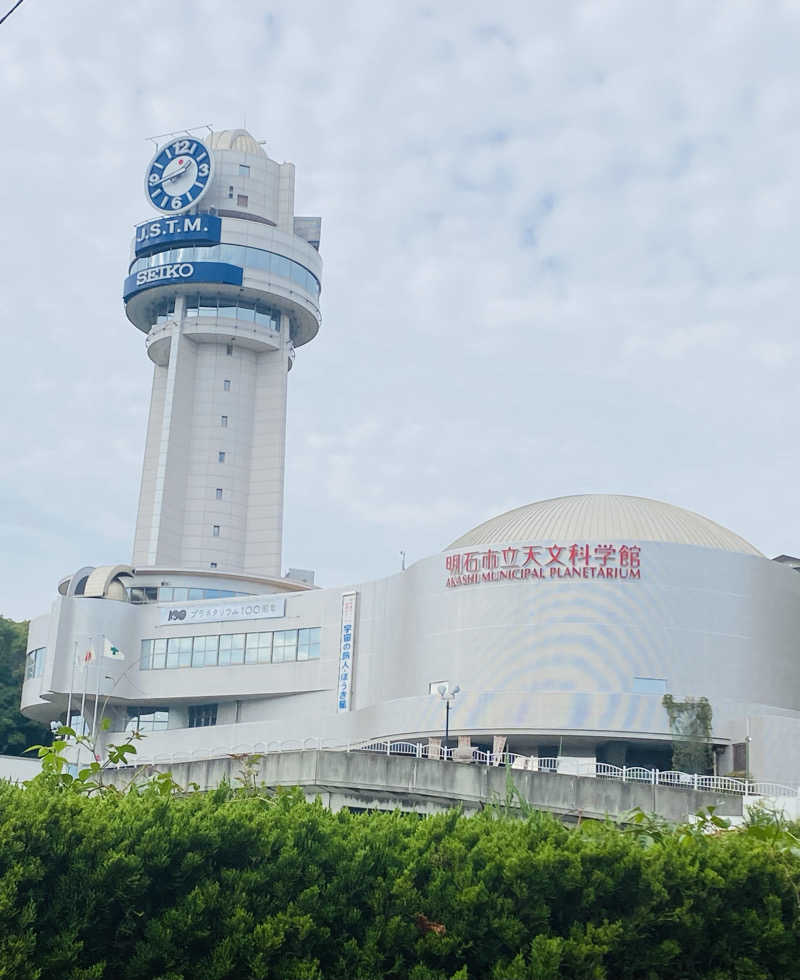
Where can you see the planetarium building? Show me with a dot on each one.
(563, 623)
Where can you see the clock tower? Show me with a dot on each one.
(224, 282)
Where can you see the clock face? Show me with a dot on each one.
(178, 176)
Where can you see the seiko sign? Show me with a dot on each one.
(182, 229)
(178, 272)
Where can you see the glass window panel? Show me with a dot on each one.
(246, 311)
(227, 310)
(78, 723)
(259, 648)
(284, 646)
(191, 305)
(146, 658)
(231, 253)
(165, 593)
(147, 720)
(262, 317)
(204, 651)
(180, 595)
(179, 651)
(151, 593)
(244, 170)
(257, 258)
(159, 654)
(308, 644)
(237, 648)
(202, 715)
(208, 306)
(196, 593)
(280, 266)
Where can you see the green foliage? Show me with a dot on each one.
(16, 731)
(690, 721)
(236, 884)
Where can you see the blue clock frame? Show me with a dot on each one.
(178, 175)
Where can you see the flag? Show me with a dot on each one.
(112, 651)
(85, 657)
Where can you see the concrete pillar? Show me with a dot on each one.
(435, 747)
(464, 751)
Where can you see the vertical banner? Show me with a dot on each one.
(346, 638)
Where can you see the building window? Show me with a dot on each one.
(229, 350)
(284, 646)
(244, 170)
(215, 530)
(308, 644)
(223, 421)
(230, 191)
(221, 456)
(34, 663)
(204, 651)
(78, 723)
(142, 719)
(231, 649)
(226, 385)
(202, 715)
(259, 648)
(212, 564)
(179, 652)
(219, 493)
(241, 200)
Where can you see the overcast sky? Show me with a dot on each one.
(560, 241)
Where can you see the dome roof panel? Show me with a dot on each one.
(604, 517)
(234, 139)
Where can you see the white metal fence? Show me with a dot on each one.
(562, 766)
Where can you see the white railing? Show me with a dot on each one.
(422, 750)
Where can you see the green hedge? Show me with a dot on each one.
(233, 884)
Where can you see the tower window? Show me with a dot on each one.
(215, 530)
(220, 457)
(223, 421)
(230, 191)
(229, 350)
(226, 385)
(219, 493)
(241, 200)
(212, 564)
(244, 170)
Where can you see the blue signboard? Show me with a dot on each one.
(182, 229)
(174, 273)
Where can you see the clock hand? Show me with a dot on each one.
(175, 173)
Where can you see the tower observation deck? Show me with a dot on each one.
(225, 283)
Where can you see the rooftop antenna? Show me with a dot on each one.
(177, 132)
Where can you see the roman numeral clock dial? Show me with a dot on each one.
(178, 175)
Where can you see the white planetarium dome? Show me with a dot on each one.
(604, 517)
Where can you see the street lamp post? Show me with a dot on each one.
(447, 694)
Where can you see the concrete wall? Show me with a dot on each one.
(370, 780)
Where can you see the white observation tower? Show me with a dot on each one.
(225, 283)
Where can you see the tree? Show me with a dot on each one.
(16, 731)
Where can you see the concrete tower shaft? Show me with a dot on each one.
(225, 291)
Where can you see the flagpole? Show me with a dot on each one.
(71, 683)
(83, 704)
(97, 656)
